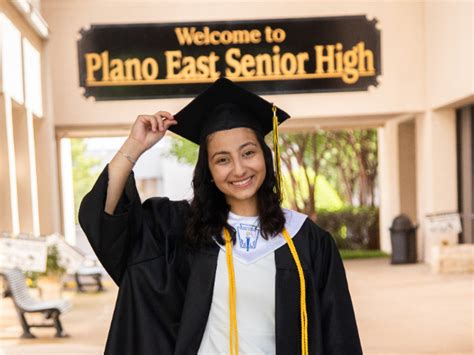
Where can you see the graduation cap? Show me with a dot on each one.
(225, 105)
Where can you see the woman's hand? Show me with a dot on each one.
(149, 129)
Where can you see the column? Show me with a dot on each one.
(9, 219)
(436, 172)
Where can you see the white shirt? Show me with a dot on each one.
(254, 268)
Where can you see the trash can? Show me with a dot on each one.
(403, 237)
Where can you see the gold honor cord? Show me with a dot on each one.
(304, 315)
(234, 340)
(233, 343)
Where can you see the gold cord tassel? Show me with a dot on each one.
(276, 147)
(303, 314)
(234, 340)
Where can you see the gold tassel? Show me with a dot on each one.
(276, 147)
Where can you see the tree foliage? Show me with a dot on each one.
(328, 197)
(183, 150)
(301, 154)
(83, 167)
(352, 164)
(346, 159)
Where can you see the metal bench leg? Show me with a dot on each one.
(59, 328)
(25, 326)
(78, 283)
(100, 287)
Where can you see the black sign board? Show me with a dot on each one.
(158, 60)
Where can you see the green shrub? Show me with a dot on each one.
(52, 267)
(352, 227)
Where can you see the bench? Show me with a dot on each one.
(93, 272)
(17, 289)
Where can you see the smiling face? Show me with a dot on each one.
(237, 166)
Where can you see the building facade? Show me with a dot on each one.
(422, 106)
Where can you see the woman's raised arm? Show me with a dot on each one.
(110, 214)
(146, 131)
(119, 169)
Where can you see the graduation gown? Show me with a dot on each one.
(165, 293)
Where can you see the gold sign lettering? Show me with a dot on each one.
(330, 61)
(264, 64)
(349, 65)
(117, 70)
(179, 67)
(190, 36)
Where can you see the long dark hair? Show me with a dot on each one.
(209, 208)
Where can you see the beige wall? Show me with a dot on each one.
(402, 56)
(23, 168)
(449, 55)
(8, 193)
(407, 168)
(388, 180)
(47, 158)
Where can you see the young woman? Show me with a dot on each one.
(231, 271)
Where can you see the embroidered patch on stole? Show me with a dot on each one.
(251, 246)
(247, 234)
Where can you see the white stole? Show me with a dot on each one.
(250, 245)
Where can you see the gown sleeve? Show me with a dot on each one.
(339, 325)
(110, 234)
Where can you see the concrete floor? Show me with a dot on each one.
(406, 309)
(400, 309)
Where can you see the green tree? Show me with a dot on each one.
(352, 163)
(328, 198)
(301, 156)
(346, 159)
(183, 150)
(83, 167)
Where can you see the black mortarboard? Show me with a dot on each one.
(225, 105)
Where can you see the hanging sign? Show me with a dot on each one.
(158, 60)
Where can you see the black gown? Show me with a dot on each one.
(165, 293)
